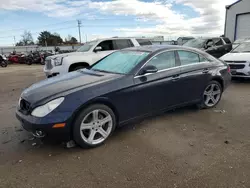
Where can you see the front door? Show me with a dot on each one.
(107, 48)
(158, 91)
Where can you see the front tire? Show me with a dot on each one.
(94, 125)
(211, 95)
(4, 64)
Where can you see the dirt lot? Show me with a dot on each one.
(182, 148)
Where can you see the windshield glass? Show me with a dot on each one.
(242, 48)
(121, 62)
(86, 47)
(195, 43)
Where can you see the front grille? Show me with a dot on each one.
(24, 106)
(48, 64)
(235, 66)
(235, 61)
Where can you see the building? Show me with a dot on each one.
(237, 23)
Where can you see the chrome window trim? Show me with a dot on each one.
(172, 68)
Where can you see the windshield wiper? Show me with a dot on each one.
(101, 70)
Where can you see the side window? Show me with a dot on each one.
(122, 43)
(218, 42)
(106, 45)
(203, 59)
(187, 57)
(144, 42)
(164, 60)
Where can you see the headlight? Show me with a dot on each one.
(58, 61)
(44, 110)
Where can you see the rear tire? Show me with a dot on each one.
(211, 95)
(94, 125)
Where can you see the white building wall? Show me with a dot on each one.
(241, 7)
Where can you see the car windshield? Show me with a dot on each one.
(242, 48)
(195, 43)
(86, 47)
(121, 62)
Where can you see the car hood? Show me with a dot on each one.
(60, 84)
(236, 57)
(67, 54)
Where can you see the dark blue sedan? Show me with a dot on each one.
(88, 104)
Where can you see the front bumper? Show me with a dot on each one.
(240, 70)
(35, 126)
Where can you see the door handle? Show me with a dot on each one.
(205, 71)
(175, 78)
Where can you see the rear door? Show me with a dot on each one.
(194, 76)
(158, 90)
(122, 43)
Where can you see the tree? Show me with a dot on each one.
(70, 40)
(46, 38)
(26, 40)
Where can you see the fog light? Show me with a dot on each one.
(39, 134)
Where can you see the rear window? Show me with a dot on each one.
(144, 42)
(227, 40)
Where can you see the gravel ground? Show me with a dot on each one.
(182, 148)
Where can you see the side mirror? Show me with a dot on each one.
(148, 69)
(97, 49)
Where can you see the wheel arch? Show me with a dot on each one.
(220, 80)
(101, 100)
(73, 65)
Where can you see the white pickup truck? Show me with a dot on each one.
(88, 54)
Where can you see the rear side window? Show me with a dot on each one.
(106, 45)
(218, 42)
(187, 57)
(122, 43)
(227, 40)
(144, 42)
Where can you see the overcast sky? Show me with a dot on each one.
(104, 18)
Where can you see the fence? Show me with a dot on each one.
(21, 49)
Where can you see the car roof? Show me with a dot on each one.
(155, 48)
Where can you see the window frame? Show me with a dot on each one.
(177, 61)
(219, 39)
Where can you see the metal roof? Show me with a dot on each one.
(228, 6)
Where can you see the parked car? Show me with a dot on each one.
(88, 54)
(87, 105)
(239, 41)
(217, 46)
(239, 60)
(3, 61)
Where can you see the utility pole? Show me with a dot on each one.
(14, 41)
(79, 29)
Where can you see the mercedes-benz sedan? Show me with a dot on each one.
(87, 105)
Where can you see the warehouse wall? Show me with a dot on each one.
(238, 8)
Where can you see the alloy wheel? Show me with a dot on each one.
(96, 126)
(212, 95)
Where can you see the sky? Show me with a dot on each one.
(107, 18)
